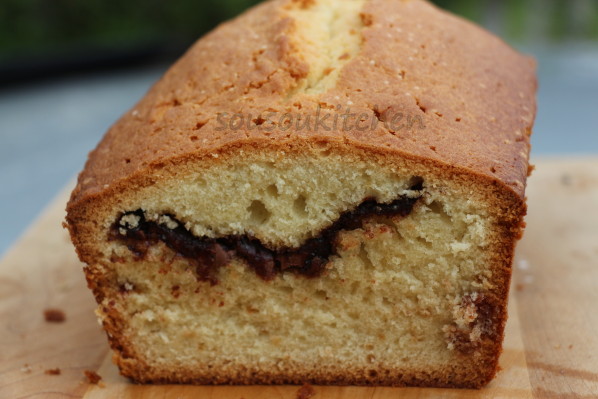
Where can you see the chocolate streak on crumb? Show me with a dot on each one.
(305, 392)
(55, 371)
(208, 255)
(54, 315)
(92, 376)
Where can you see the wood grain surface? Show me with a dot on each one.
(551, 346)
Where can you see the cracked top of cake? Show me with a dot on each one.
(394, 77)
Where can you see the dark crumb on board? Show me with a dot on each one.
(305, 392)
(92, 376)
(55, 371)
(519, 287)
(54, 315)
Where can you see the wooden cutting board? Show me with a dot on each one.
(551, 345)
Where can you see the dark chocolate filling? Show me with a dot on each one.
(208, 255)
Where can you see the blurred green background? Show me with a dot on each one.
(40, 37)
(55, 25)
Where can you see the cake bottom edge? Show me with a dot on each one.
(467, 375)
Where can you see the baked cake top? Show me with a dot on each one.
(409, 79)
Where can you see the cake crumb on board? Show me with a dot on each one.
(55, 371)
(92, 376)
(306, 391)
(54, 315)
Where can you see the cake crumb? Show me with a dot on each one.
(55, 371)
(92, 376)
(306, 391)
(168, 222)
(54, 315)
(130, 221)
(26, 369)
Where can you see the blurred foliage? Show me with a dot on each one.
(471, 9)
(516, 17)
(47, 26)
(50, 25)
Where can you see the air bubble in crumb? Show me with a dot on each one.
(258, 213)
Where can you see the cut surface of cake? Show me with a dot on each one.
(318, 191)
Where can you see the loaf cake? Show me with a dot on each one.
(320, 191)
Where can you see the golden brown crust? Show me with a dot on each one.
(474, 94)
